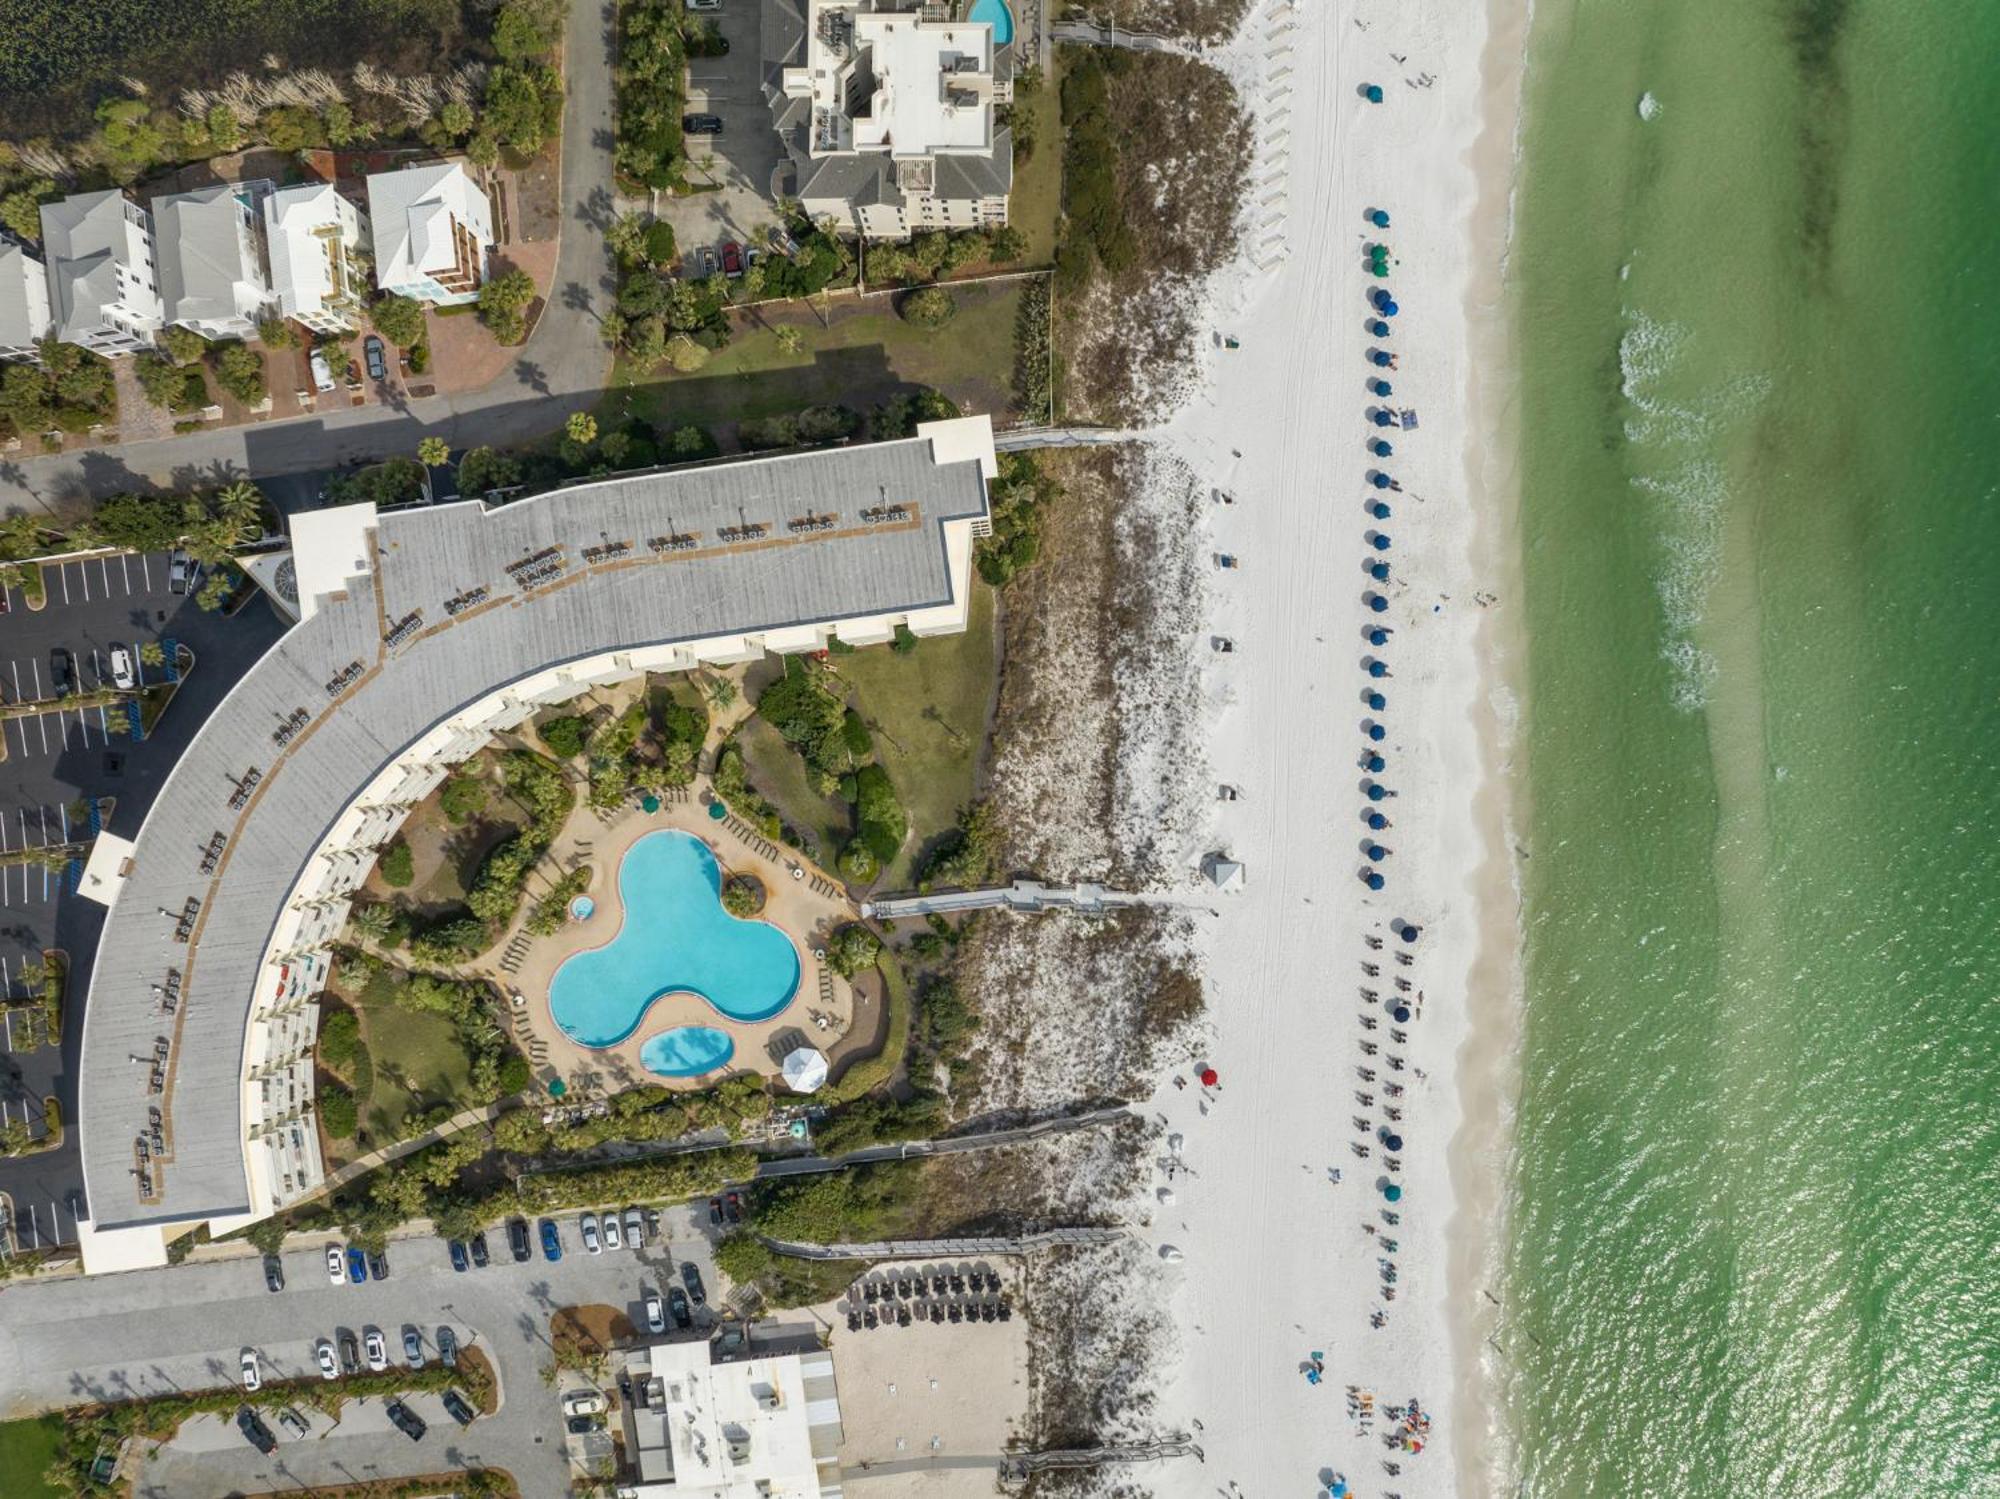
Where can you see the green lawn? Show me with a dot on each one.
(26, 1450)
(928, 713)
(778, 771)
(418, 1064)
(1037, 196)
(864, 357)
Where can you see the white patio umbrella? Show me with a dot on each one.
(805, 1070)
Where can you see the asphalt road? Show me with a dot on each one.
(75, 1339)
(57, 757)
(562, 368)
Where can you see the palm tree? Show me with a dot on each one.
(433, 452)
(241, 507)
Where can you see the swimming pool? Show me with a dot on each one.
(686, 1051)
(1002, 18)
(674, 938)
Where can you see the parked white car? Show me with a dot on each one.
(336, 1265)
(611, 1238)
(252, 1379)
(656, 1316)
(328, 1368)
(583, 1403)
(121, 669)
(587, 1226)
(374, 1349)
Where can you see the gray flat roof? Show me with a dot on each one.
(427, 557)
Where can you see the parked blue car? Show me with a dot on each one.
(357, 1266)
(458, 1258)
(551, 1240)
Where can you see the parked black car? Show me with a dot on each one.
(274, 1273)
(62, 671)
(408, 1422)
(517, 1240)
(371, 350)
(701, 124)
(378, 1264)
(350, 1353)
(447, 1342)
(480, 1258)
(456, 1407)
(255, 1431)
(691, 1278)
(677, 1304)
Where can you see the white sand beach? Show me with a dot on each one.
(1277, 1259)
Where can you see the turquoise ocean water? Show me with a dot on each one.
(1754, 1232)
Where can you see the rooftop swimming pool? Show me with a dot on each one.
(1002, 18)
(675, 938)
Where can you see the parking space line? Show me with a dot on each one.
(146, 567)
(36, 667)
(63, 573)
(125, 567)
(42, 723)
(104, 566)
(22, 735)
(17, 679)
(103, 723)
(83, 577)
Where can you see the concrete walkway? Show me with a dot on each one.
(1090, 34)
(1022, 895)
(1020, 439)
(562, 367)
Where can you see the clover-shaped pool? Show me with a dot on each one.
(675, 938)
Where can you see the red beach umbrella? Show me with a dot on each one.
(1208, 1077)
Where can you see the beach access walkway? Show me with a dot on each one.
(942, 1249)
(1023, 895)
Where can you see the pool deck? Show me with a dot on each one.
(807, 908)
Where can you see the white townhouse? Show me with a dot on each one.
(314, 236)
(103, 280)
(213, 270)
(433, 229)
(24, 301)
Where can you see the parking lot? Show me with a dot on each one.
(57, 760)
(743, 157)
(185, 1327)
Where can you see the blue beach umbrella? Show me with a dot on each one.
(1374, 762)
(1381, 447)
(1387, 306)
(1379, 571)
(1371, 879)
(1380, 510)
(1377, 822)
(1376, 701)
(1381, 606)
(1392, 1193)
(1379, 479)
(1401, 1014)
(1379, 328)
(1378, 637)
(1374, 93)
(1379, 219)
(1379, 541)
(1383, 419)
(1394, 1142)
(1379, 358)
(1381, 387)
(1375, 792)
(1407, 932)
(1377, 853)
(1377, 733)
